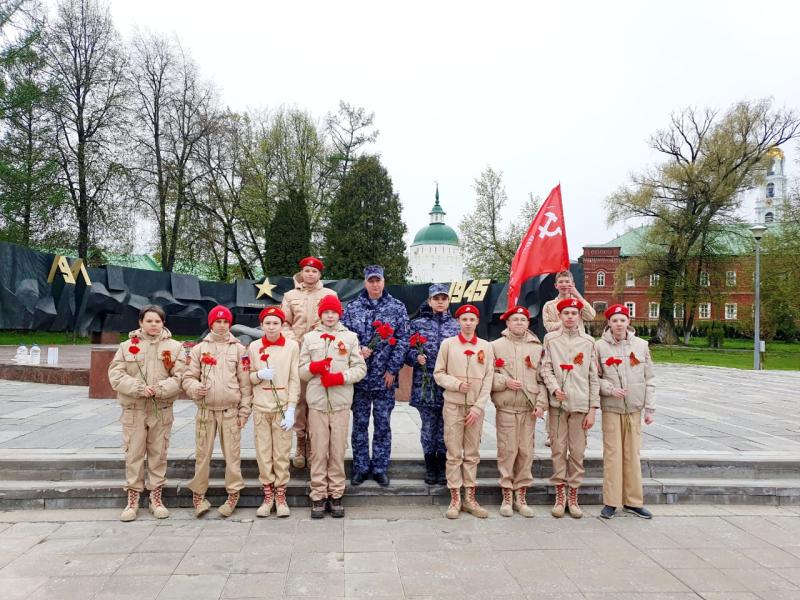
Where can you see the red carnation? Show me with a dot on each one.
(376, 324)
(392, 341)
(207, 359)
(468, 353)
(134, 350)
(566, 367)
(135, 340)
(613, 361)
(385, 331)
(499, 363)
(422, 339)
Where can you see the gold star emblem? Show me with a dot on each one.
(265, 289)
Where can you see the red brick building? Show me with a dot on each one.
(726, 287)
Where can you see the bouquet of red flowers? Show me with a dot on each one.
(418, 341)
(383, 332)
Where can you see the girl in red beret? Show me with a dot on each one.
(217, 378)
(627, 388)
(274, 364)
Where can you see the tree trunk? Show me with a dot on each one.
(665, 332)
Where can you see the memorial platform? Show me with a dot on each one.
(721, 436)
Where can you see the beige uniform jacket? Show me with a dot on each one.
(522, 358)
(160, 361)
(345, 351)
(451, 371)
(581, 384)
(635, 373)
(300, 307)
(552, 322)
(229, 378)
(285, 384)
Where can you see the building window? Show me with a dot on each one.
(600, 307)
(704, 279)
(654, 277)
(730, 312)
(770, 190)
(677, 311)
(653, 309)
(630, 280)
(769, 218)
(601, 279)
(730, 278)
(631, 306)
(704, 310)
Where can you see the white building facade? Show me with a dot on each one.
(773, 193)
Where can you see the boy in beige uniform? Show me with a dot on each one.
(146, 373)
(569, 371)
(275, 377)
(464, 369)
(565, 284)
(627, 386)
(516, 395)
(299, 306)
(331, 362)
(217, 378)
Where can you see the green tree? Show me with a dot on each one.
(780, 273)
(489, 246)
(365, 225)
(289, 235)
(709, 160)
(31, 197)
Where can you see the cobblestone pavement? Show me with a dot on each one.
(701, 411)
(686, 552)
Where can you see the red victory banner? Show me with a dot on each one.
(543, 249)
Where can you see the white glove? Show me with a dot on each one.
(288, 419)
(266, 374)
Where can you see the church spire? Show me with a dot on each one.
(437, 212)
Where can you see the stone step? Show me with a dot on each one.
(102, 493)
(112, 467)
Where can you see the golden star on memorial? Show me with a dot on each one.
(265, 289)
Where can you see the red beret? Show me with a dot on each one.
(617, 309)
(271, 311)
(219, 312)
(310, 261)
(517, 310)
(569, 303)
(329, 302)
(468, 309)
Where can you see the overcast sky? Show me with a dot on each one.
(545, 92)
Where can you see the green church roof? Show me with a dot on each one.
(437, 233)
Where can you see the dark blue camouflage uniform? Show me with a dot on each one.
(435, 327)
(371, 395)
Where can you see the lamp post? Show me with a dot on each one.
(758, 232)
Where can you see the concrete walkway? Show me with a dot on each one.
(686, 552)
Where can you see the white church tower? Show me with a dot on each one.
(772, 193)
(435, 254)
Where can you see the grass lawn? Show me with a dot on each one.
(46, 338)
(778, 356)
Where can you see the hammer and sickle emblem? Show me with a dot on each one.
(545, 231)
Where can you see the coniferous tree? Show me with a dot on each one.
(288, 238)
(366, 225)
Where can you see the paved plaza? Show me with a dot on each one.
(701, 411)
(687, 552)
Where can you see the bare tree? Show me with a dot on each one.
(173, 112)
(85, 57)
(349, 129)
